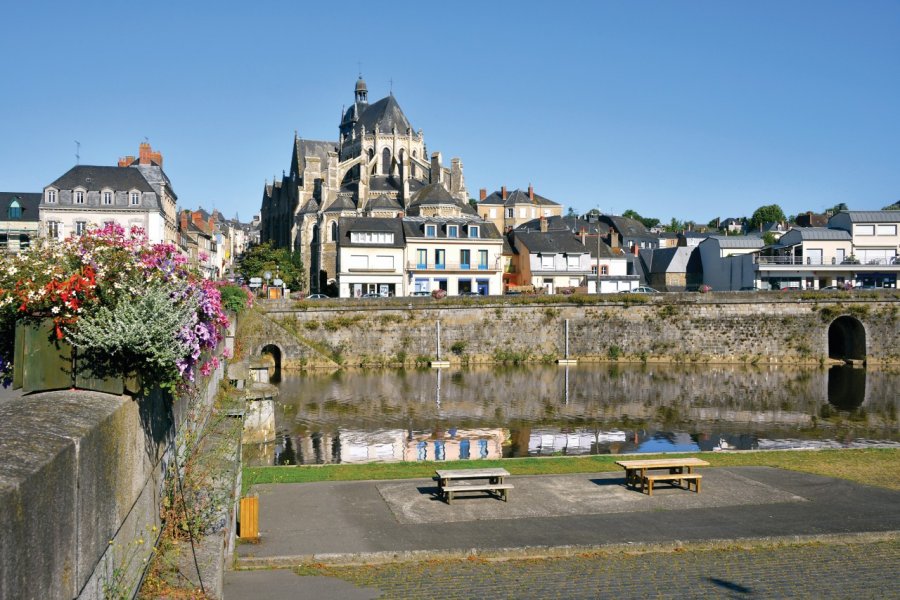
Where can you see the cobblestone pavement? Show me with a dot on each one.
(856, 570)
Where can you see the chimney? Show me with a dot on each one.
(184, 220)
(482, 194)
(147, 156)
(503, 192)
(531, 193)
(634, 249)
(543, 225)
(126, 161)
(582, 237)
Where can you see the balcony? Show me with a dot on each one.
(449, 266)
(817, 262)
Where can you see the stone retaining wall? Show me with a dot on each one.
(683, 328)
(81, 479)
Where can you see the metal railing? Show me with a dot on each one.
(810, 261)
(448, 266)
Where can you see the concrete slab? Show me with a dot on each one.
(344, 522)
(282, 584)
(567, 495)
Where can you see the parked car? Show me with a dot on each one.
(420, 293)
(370, 295)
(643, 289)
(469, 294)
(316, 297)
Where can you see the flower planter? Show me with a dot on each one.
(43, 363)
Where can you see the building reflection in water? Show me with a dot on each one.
(471, 414)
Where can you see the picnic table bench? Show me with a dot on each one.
(639, 472)
(452, 482)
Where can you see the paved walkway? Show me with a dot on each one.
(570, 516)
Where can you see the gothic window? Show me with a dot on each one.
(412, 165)
(386, 161)
(400, 156)
(334, 231)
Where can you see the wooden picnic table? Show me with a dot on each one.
(454, 481)
(639, 471)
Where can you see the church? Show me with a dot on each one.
(379, 167)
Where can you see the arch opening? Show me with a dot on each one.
(271, 354)
(847, 340)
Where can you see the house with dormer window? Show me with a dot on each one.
(370, 257)
(18, 220)
(550, 260)
(459, 255)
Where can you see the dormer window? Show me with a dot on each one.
(107, 197)
(135, 198)
(79, 197)
(452, 231)
(473, 231)
(15, 211)
(51, 196)
(431, 231)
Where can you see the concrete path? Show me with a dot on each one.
(380, 522)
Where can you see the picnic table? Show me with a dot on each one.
(679, 470)
(452, 482)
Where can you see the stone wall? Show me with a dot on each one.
(81, 479)
(682, 328)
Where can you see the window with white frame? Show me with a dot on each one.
(79, 197)
(572, 261)
(547, 261)
(51, 196)
(510, 213)
(865, 230)
(107, 197)
(452, 231)
(135, 198)
(431, 231)
(492, 213)
(473, 231)
(533, 212)
(482, 259)
(359, 262)
(371, 237)
(384, 262)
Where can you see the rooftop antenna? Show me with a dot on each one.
(77, 152)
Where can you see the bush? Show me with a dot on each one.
(438, 294)
(235, 298)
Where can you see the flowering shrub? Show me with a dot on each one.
(121, 302)
(438, 293)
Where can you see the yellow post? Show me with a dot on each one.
(249, 520)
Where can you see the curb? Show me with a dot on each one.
(527, 552)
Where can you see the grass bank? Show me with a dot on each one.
(872, 466)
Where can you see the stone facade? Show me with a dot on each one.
(689, 329)
(374, 170)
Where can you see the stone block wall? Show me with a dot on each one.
(682, 328)
(81, 480)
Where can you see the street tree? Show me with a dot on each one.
(263, 257)
(771, 213)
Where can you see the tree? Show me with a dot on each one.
(838, 208)
(894, 206)
(571, 212)
(769, 238)
(771, 213)
(263, 257)
(714, 224)
(648, 222)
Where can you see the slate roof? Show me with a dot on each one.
(628, 228)
(311, 206)
(434, 194)
(738, 241)
(415, 227)
(347, 225)
(385, 183)
(94, 179)
(304, 148)
(799, 235)
(28, 201)
(386, 113)
(384, 203)
(552, 242)
(517, 197)
(873, 216)
(672, 260)
(341, 203)
(571, 224)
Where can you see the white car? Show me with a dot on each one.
(644, 290)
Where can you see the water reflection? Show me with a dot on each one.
(549, 410)
(846, 387)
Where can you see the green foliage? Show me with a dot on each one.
(648, 222)
(614, 353)
(771, 213)
(458, 347)
(234, 298)
(263, 257)
(502, 355)
(138, 332)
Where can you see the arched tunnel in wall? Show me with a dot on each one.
(847, 339)
(274, 353)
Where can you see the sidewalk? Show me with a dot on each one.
(383, 521)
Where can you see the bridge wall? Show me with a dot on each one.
(687, 328)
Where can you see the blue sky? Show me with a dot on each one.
(674, 109)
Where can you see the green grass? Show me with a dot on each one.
(873, 466)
